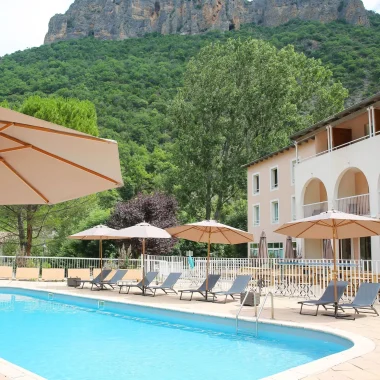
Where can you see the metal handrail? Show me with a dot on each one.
(257, 315)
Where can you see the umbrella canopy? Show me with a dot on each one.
(210, 231)
(322, 226)
(332, 225)
(263, 248)
(289, 251)
(327, 249)
(44, 163)
(143, 231)
(97, 233)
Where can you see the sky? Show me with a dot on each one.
(24, 23)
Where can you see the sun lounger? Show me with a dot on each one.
(364, 299)
(149, 277)
(83, 274)
(167, 286)
(6, 272)
(212, 280)
(53, 274)
(116, 276)
(97, 280)
(328, 297)
(238, 287)
(27, 274)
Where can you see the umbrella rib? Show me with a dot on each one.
(366, 228)
(16, 148)
(240, 234)
(6, 126)
(187, 229)
(308, 228)
(60, 159)
(220, 230)
(49, 130)
(23, 180)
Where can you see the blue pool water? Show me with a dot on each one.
(70, 338)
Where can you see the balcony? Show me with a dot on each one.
(314, 208)
(358, 205)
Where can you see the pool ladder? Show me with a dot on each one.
(257, 315)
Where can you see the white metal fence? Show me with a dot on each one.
(284, 277)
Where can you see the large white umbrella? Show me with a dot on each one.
(44, 163)
(332, 225)
(210, 231)
(143, 231)
(100, 233)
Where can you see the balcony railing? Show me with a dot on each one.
(358, 205)
(314, 208)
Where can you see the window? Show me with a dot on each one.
(254, 250)
(256, 184)
(275, 250)
(292, 171)
(294, 215)
(274, 178)
(275, 211)
(256, 215)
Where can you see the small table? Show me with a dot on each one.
(72, 282)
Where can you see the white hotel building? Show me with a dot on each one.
(333, 164)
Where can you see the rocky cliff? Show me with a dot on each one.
(120, 19)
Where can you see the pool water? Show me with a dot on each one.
(71, 338)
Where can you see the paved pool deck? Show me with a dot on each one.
(363, 367)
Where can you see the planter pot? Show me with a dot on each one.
(250, 299)
(72, 282)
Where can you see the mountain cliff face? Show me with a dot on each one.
(121, 19)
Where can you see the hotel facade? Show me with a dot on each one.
(333, 164)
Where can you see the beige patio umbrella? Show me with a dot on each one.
(44, 163)
(263, 247)
(97, 233)
(327, 249)
(210, 231)
(332, 225)
(289, 251)
(143, 231)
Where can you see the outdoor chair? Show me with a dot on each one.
(149, 277)
(167, 286)
(328, 297)
(53, 274)
(6, 272)
(364, 299)
(113, 281)
(202, 290)
(238, 287)
(27, 274)
(96, 281)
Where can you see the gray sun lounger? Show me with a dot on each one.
(364, 299)
(118, 276)
(328, 297)
(238, 287)
(96, 281)
(149, 277)
(212, 280)
(168, 284)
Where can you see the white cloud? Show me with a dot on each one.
(25, 22)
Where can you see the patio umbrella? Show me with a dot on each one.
(143, 231)
(263, 248)
(44, 163)
(332, 225)
(97, 233)
(289, 251)
(327, 249)
(210, 231)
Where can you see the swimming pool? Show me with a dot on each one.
(70, 337)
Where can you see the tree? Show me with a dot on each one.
(27, 223)
(157, 209)
(240, 100)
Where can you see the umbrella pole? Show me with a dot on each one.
(143, 266)
(208, 262)
(335, 273)
(101, 258)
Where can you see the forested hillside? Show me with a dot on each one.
(131, 82)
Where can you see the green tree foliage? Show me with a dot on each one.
(31, 226)
(239, 100)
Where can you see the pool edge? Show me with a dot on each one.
(361, 345)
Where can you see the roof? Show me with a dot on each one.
(356, 107)
(263, 158)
